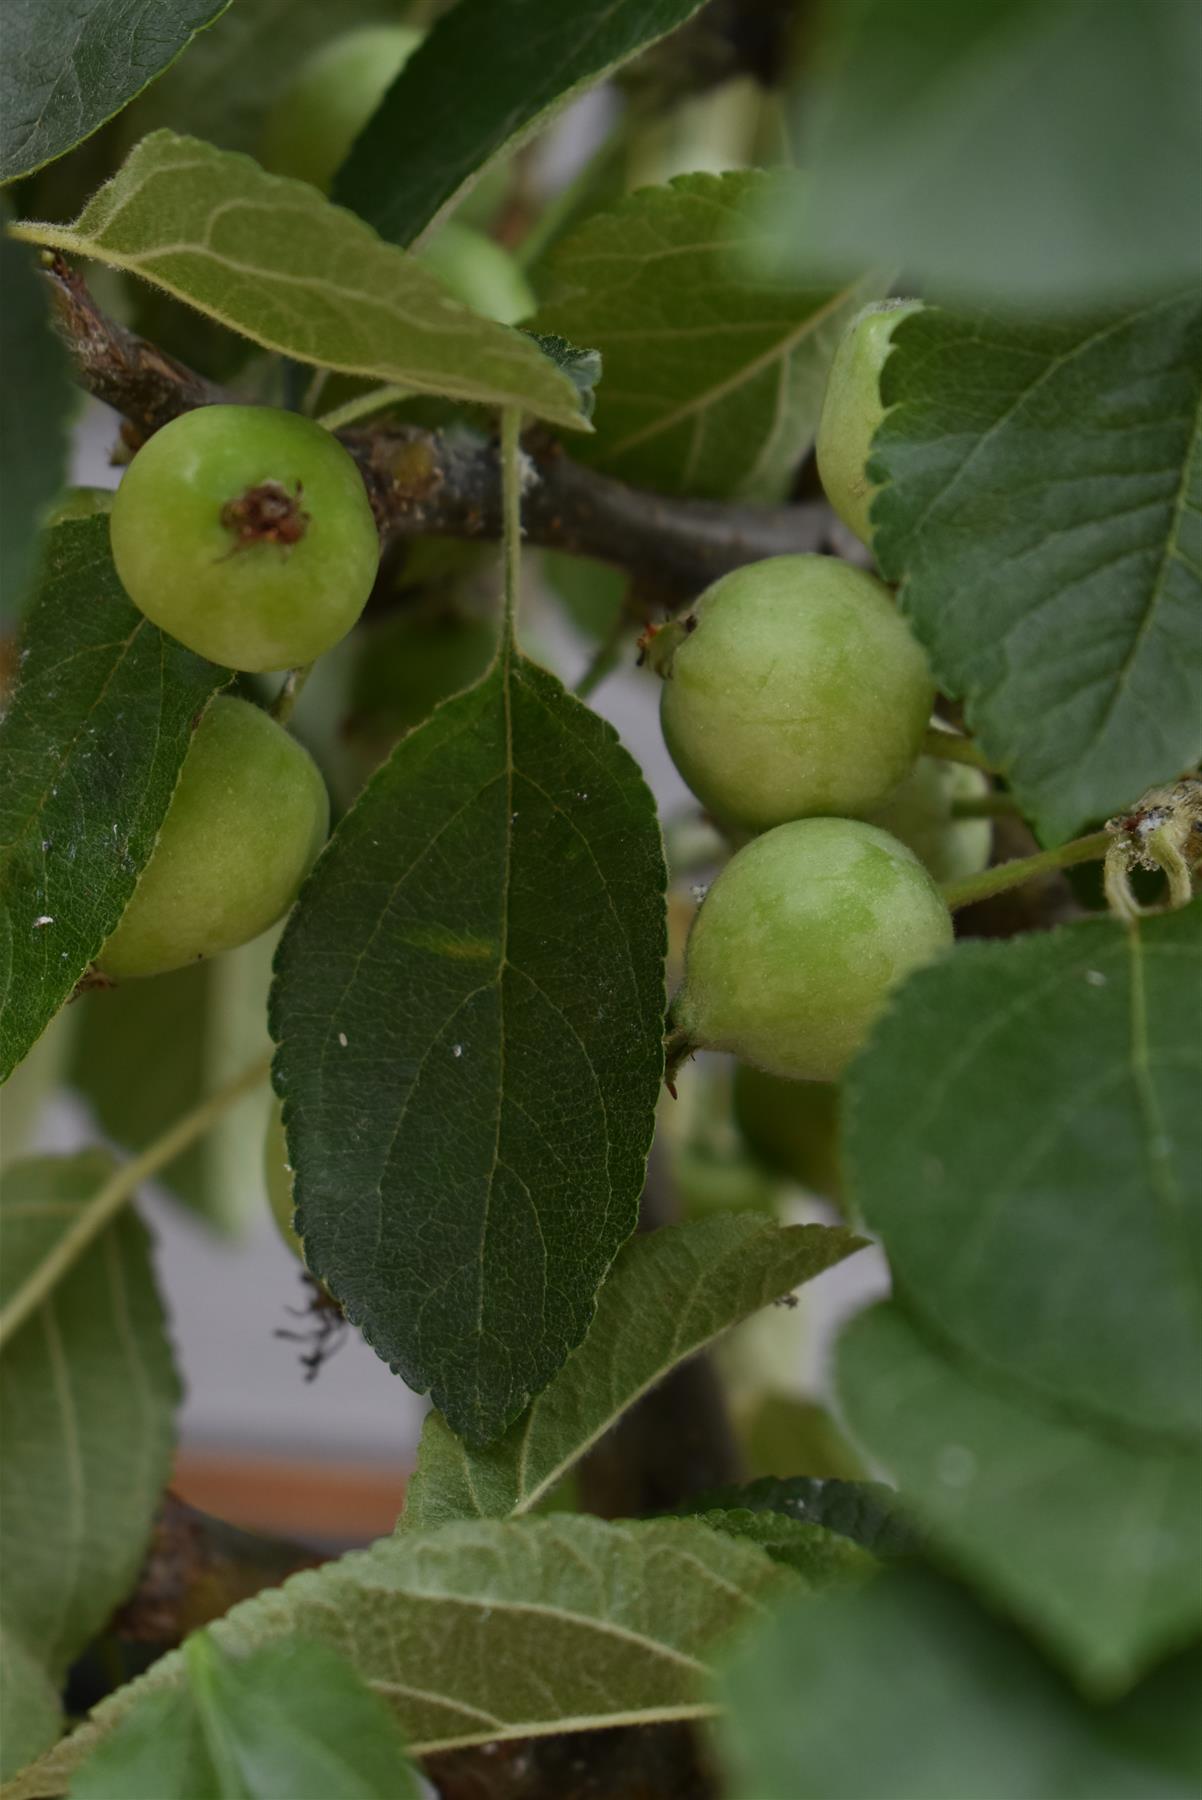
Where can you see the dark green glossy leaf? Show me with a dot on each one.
(468, 1005)
(715, 363)
(90, 750)
(904, 1688)
(488, 1632)
(289, 1720)
(1023, 1134)
(670, 1293)
(1041, 149)
(69, 65)
(490, 74)
(867, 1512)
(822, 1558)
(36, 403)
(1090, 1541)
(88, 1394)
(1043, 518)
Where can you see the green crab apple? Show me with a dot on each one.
(478, 272)
(791, 1126)
(794, 688)
(314, 122)
(278, 1177)
(852, 410)
(249, 814)
(920, 813)
(800, 940)
(247, 534)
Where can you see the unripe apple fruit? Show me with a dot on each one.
(478, 272)
(247, 534)
(799, 941)
(791, 1126)
(920, 814)
(852, 410)
(249, 814)
(312, 125)
(795, 688)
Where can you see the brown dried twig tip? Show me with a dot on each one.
(448, 484)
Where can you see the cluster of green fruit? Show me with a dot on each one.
(795, 705)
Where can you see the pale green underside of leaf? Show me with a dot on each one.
(1045, 151)
(276, 261)
(87, 1395)
(669, 1293)
(90, 750)
(1044, 519)
(490, 74)
(905, 1689)
(715, 365)
(1023, 1134)
(468, 1005)
(1091, 1542)
(69, 65)
(293, 1719)
(489, 1631)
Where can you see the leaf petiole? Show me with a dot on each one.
(1025, 868)
(953, 748)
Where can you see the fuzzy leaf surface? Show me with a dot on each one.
(69, 65)
(715, 365)
(489, 75)
(1044, 519)
(487, 1631)
(669, 1293)
(36, 404)
(90, 750)
(929, 126)
(274, 260)
(1088, 1540)
(468, 1006)
(1058, 1241)
(88, 1394)
(287, 1720)
(904, 1688)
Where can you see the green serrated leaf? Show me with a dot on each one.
(289, 1720)
(36, 404)
(669, 1293)
(715, 364)
(487, 1632)
(490, 74)
(904, 1688)
(1090, 1541)
(1042, 518)
(468, 1004)
(1023, 1134)
(931, 127)
(274, 260)
(69, 65)
(87, 1395)
(90, 751)
(821, 1558)
(867, 1512)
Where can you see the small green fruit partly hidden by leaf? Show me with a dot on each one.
(479, 272)
(791, 1126)
(245, 824)
(795, 689)
(279, 1179)
(311, 127)
(852, 410)
(920, 814)
(247, 534)
(797, 944)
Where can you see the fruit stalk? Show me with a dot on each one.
(1024, 868)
